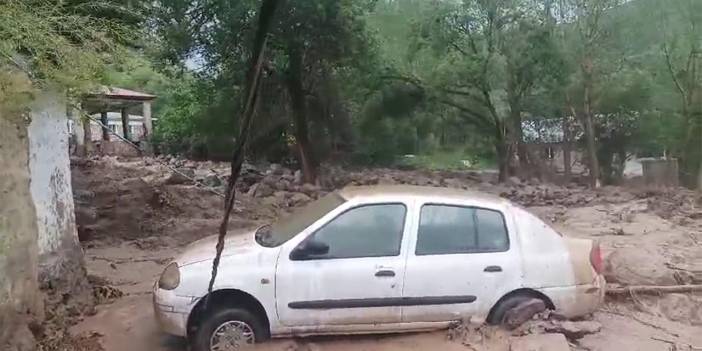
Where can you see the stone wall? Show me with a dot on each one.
(20, 300)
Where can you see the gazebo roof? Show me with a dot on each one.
(112, 99)
(121, 93)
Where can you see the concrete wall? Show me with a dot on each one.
(60, 254)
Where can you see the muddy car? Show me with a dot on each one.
(376, 260)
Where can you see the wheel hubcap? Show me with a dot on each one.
(231, 336)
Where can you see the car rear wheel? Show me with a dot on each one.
(229, 329)
(499, 313)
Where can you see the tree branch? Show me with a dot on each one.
(671, 69)
(476, 118)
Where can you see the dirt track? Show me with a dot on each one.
(133, 220)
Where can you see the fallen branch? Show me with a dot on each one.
(654, 289)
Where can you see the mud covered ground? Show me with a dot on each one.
(134, 215)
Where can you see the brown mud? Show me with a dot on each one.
(134, 215)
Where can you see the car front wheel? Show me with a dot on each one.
(229, 329)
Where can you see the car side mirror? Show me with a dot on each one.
(309, 248)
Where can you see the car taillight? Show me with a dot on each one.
(596, 258)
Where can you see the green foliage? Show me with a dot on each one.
(57, 42)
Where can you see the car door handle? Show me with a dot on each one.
(492, 269)
(385, 273)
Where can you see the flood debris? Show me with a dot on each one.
(572, 330)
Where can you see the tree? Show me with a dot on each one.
(495, 53)
(533, 62)
(683, 58)
(310, 42)
(57, 43)
(589, 34)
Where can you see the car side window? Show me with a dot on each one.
(446, 229)
(365, 231)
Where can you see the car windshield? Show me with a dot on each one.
(287, 227)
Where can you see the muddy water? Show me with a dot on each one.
(128, 324)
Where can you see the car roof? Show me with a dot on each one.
(374, 191)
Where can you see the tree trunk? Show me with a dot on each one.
(567, 172)
(299, 107)
(518, 136)
(515, 121)
(501, 150)
(587, 68)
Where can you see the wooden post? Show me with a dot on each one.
(105, 121)
(125, 124)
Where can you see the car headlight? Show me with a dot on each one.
(170, 278)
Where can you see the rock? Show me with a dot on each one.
(281, 198)
(523, 312)
(539, 342)
(514, 181)
(85, 215)
(453, 183)
(386, 180)
(309, 189)
(271, 180)
(422, 181)
(180, 177)
(283, 185)
(252, 190)
(271, 201)
(250, 177)
(263, 190)
(288, 176)
(299, 199)
(83, 195)
(297, 177)
(212, 181)
(276, 169)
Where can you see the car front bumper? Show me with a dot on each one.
(171, 311)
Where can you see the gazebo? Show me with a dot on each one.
(112, 99)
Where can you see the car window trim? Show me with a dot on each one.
(478, 251)
(311, 235)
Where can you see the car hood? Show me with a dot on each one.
(235, 243)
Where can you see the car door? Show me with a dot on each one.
(358, 281)
(462, 260)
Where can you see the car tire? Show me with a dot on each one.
(225, 319)
(497, 317)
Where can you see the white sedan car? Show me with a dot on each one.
(375, 260)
